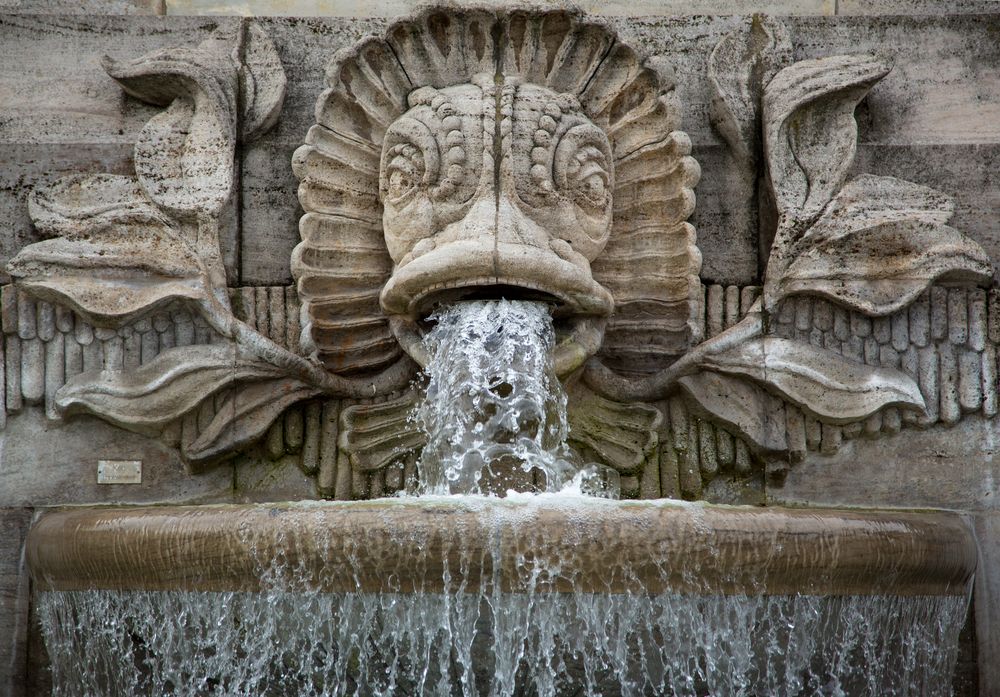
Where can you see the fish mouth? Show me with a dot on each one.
(430, 299)
(480, 269)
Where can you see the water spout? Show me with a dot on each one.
(494, 408)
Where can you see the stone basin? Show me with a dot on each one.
(524, 543)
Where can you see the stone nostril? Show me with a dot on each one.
(564, 250)
(421, 248)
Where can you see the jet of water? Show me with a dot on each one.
(494, 403)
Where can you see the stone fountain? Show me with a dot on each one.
(499, 307)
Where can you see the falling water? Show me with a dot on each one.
(493, 399)
(282, 643)
(494, 403)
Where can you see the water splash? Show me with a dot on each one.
(494, 404)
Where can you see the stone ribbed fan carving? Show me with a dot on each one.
(650, 264)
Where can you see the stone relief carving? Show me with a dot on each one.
(123, 247)
(870, 245)
(467, 151)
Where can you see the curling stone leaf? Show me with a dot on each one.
(880, 244)
(113, 302)
(78, 203)
(262, 83)
(184, 154)
(739, 405)
(868, 200)
(740, 65)
(120, 262)
(184, 160)
(243, 417)
(821, 382)
(810, 135)
(149, 397)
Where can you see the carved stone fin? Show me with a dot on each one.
(375, 435)
(651, 262)
(740, 65)
(612, 433)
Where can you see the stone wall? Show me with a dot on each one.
(934, 120)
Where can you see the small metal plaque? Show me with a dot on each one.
(119, 471)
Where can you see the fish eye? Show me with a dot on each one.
(588, 177)
(582, 167)
(403, 173)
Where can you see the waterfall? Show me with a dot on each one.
(282, 643)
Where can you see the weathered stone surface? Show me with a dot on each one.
(915, 7)
(14, 601)
(263, 478)
(351, 8)
(939, 467)
(269, 224)
(726, 226)
(49, 464)
(739, 68)
(987, 600)
(85, 7)
(829, 232)
(942, 88)
(796, 267)
(273, 311)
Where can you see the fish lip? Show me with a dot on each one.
(480, 269)
(489, 288)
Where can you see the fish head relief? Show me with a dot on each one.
(495, 183)
(491, 171)
(518, 205)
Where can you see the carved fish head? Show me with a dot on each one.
(486, 153)
(495, 187)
